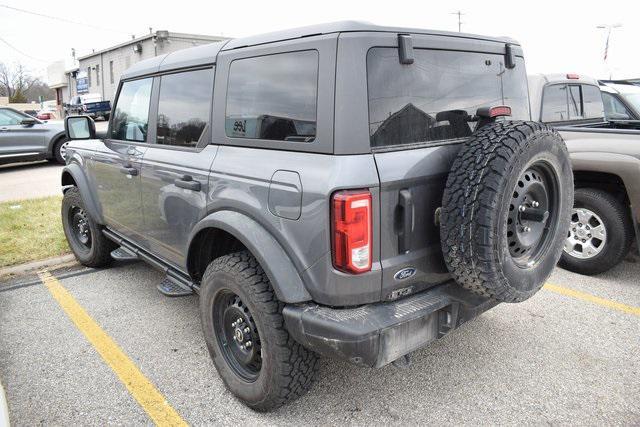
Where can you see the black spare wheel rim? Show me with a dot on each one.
(533, 214)
(237, 335)
(80, 229)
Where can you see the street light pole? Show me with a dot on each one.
(609, 28)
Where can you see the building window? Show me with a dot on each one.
(273, 97)
(184, 107)
(97, 75)
(111, 72)
(88, 76)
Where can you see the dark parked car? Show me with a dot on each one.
(605, 154)
(344, 190)
(25, 138)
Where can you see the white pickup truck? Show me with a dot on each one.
(605, 156)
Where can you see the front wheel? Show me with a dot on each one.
(60, 150)
(600, 234)
(242, 322)
(88, 244)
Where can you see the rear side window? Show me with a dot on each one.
(131, 116)
(431, 99)
(273, 97)
(184, 107)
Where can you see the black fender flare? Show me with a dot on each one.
(284, 277)
(76, 172)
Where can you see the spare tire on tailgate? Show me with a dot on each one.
(506, 209)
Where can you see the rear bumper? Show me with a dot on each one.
(377, 334)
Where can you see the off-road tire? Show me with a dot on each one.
(288, 369)
(477, 201)
(620, 232)
(99, 254)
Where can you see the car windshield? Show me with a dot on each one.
(433, 98)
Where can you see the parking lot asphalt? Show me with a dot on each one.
(560, 358)
(29, 180)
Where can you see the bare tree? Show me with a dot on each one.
(16, 82)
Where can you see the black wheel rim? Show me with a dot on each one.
(533, 214)
(237, 335)
(80, 229)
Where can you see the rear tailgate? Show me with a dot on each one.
(417, 120)
(101, 106)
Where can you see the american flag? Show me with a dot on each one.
(606, 46)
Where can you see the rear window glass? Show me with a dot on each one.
(273, 97)
(592, 101)
(580, 102)
(431, 99)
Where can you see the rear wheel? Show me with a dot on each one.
(600, 234)
(84, 235)
(505, 209)
(244, 330)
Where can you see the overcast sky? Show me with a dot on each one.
(557, 36)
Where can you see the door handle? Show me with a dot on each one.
(187, 182)
(128, 170)
(406, 230)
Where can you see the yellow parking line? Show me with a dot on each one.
(138, 385)
(593, 299)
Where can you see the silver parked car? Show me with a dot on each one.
(25, 138)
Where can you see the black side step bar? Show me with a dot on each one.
(155, 262)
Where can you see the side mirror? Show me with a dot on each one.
(79, 127)
(28, 122)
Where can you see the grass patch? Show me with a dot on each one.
(31, 230)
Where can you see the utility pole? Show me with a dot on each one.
(459, 13)
(609, 28)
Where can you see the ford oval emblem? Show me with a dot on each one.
(405, 273)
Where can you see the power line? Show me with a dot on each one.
(21, 52)
(57, 18)
(459, 13)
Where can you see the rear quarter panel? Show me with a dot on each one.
(610, 151)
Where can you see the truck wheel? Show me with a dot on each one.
(505, 209)
(600, 235)
(85, 238)
(60, 150)
(242, 321)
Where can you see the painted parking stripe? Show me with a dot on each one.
(147, 395)
(629, 309)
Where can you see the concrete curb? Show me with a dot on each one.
(18, 270)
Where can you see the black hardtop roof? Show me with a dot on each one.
(206, 54)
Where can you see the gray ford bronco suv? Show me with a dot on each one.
(344, 190)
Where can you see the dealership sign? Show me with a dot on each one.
(82, 82)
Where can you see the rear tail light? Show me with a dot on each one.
(501, 110)
(352, 231)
